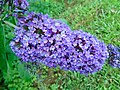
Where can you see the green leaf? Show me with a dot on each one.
(3, 65)
(23, 72)
(10, 24)
(8, 74)
(63, 20)
(11, 57)
(54, 86)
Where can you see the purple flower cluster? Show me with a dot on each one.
(21, 4)
(86, 54)
(51, 42)
(114, 56)
(40, 38)
(1, 5)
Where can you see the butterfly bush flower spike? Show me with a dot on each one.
(21, 4)
(51, 42)
(39, 38)
(86, 54)
(114, 56)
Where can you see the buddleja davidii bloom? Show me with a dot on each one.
(1, 6)
(21, 4)
(56, 50)
(87, 55)
(24, 45)
(39, 37)
(114, 56)
(55, 45)
(43, 22)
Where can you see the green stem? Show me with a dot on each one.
(10, 24)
